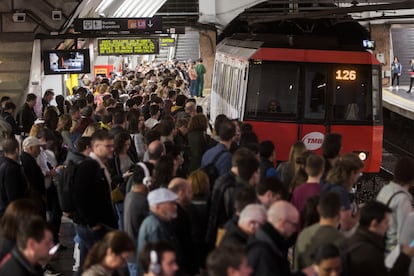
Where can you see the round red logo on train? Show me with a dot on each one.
(313, 140)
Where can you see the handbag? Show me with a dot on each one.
(117, 195)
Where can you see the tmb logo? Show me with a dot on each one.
(313, 140)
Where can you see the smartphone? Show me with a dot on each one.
(54, 249)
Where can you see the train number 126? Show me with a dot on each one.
(347, 75)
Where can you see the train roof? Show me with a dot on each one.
(252, 48)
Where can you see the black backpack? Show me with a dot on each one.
(65, 186)
(211, 170)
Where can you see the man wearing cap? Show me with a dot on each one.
(156, 227)
(34, 175)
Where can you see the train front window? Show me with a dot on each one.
(315, 90)
(352, 96)
(272, 90)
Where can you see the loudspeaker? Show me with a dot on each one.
(56, 15)
(19, 17)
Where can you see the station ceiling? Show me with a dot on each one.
(40, 14)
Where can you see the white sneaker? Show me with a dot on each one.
(398, 88)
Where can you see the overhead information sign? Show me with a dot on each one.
(128, 46)
(167, 41)
(144, 25)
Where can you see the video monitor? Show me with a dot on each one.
(368, 44)
(66, 61)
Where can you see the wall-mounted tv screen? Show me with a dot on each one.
(368, 44)
(66, 61)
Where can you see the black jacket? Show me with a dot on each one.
(12, 122)
(92, 196)
(17, 265)
(367, 256)
(26, 118)
(217, 216)
(34, 175)
(13, 183)
(234, 236)
(268, 253)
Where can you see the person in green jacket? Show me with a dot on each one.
(200, 70)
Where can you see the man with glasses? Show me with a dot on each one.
(268, 249)
(94, 214)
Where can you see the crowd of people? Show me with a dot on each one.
(153, 189)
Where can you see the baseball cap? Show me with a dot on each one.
(161, 195)
(31, 141)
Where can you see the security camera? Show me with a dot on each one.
(56, 15)
(19, 17)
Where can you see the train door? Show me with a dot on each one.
(313, 126)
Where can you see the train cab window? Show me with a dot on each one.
(352, 97)
(272, 90)
(315, 90)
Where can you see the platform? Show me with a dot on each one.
(399, 101)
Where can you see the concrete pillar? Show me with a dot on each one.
(381, 34)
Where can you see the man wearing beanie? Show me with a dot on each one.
(396, 196)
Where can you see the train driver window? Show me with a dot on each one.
(272, 90)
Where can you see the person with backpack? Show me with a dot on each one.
(397, 197)
(244, 173)
(223, 164)
(366, 250)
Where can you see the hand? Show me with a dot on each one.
(407, 250)
(309, 271)
(399, 74)
(96, 227)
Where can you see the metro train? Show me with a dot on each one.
(293, 88)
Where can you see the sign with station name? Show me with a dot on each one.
(128, 46)
(142, 25)
(167, 41)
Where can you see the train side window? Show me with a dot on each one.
(352, 98)
(315, 91)
(272, 82)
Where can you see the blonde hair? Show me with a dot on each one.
(199, 182)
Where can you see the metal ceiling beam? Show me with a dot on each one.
(256, 18)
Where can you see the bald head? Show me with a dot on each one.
(251, 218)
(182, 188)
(190, 107)
(156, 149)
(284, 217)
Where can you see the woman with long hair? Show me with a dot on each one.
(109, 255)
(197, 140)
(341, 178)
(290, 168)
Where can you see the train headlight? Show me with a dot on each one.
(362, 155)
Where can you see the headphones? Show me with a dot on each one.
(147, 180)
(154, 265)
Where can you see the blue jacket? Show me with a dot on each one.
(223, 164)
